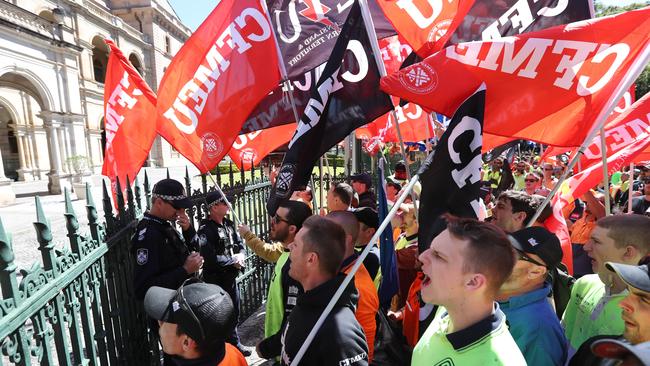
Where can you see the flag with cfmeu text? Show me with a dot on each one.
(129, 110)
(337, 106)
(426, 25)
(547, 86)
(215, 80)
(623, 104)
(249, 149)
(626, 140)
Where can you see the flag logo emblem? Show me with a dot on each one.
(212, 145)
(439, 30)
(248, 155)
(283, 182)
(420, 79)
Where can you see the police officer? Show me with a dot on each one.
(223, 250)
(161, 255)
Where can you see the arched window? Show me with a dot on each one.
(133, 59)
(100, 59)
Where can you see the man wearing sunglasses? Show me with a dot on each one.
(636, 316)
(161, 255)
(524, 297)
(224, 254)
(641, 205)
(195, 322)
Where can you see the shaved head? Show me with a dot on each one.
(348, 221)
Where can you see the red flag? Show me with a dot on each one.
(129, 104)
(547, 86)
(413, 121)
(216, 79)
(250, 148)
(628, 151)
(425, 24)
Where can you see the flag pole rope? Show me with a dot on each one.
(631, 75)
(350, 275)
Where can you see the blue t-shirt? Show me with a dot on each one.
(535, 327)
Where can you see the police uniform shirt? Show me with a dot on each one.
(485, 343)
(218, 243)
(159, 252)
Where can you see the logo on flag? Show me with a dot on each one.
(212, 144)
(316, 12)
(439, 30)
(283, 182)
(421, 79)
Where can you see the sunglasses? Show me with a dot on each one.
(277, 220)
(548, 169)
(530, 180)
(522, 256)
(182, 302)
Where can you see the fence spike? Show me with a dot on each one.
(138, 194)
(68, 203)
(120, 196)
(188, 183)
(44, 237)
(147, 190)
(89, 196)
(108, 206)
(8, 281)
(167, 173)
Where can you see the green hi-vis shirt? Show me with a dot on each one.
(485, 343)
(591, 311)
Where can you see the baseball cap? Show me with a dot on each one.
(619, 350)
(635, 276)
(367, 216)
(394, 183)
(204, 311)
(362, 178)
(539, 241)
(400, 166)
(213, 198)
(173, 192)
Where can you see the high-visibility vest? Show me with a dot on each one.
(275, 299)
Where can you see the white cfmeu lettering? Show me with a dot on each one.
(191, 99)
(619, 137)
(120, 97)
(416, 14)
(242, 140)
(520, 16)
(575, 55)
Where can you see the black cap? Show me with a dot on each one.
(367, 216)
(173, 192)
(392, 182)
(362, 178)
(400, 166)
(210, 304)
(615, 349)
(541, 242)
(213, 198)
(635, 276)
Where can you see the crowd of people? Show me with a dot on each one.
(488, 291)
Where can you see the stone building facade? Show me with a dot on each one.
(52, 66)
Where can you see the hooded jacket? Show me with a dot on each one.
(340, 341)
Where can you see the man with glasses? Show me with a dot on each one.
(635, 315)
(533, 184)
(495, 174)
(524, 298)
(283, 289)
(548, 181)
(641, 205)
(161, 255)
(195, 322)
(224, 254)
(519, 175)
(593, 308)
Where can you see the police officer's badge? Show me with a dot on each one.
(142, 256)
(203, 240)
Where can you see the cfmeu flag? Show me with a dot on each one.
(250, 148)
(626, 141)
(547, 86)
(129, 104)
(451, 175)
(335, 109)
(425, 24)
(219, 75)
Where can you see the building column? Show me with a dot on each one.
(22, 158)
(54, 176)
(7, 195)
(60, 142)
(33, 155)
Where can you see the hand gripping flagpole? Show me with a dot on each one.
(353, 271)
(631, 75)
(372, 35)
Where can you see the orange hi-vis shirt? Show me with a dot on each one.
(581, 230)
(233, 357)
(411, 323)
(368, 305)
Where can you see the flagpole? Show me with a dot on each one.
(630, 185)
(353, 271)
(631, 75)
(603, 148)
(216, 185)
(372, 35)
(282, 67)
(320, 182)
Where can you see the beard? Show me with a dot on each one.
(280, 234)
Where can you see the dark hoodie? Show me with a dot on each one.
(340, 340)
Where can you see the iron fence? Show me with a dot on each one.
(77, 306)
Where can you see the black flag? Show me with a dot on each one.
(307, 30)
(451, 175)
(337, 107)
